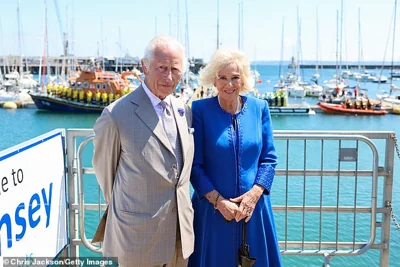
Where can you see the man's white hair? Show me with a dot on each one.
(163, 42)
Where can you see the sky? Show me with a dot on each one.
(113, 28)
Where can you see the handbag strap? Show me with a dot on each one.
(244, 232)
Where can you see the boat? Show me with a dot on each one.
(296, 90)
(292, 110)
(342, 109)
(90, 92)
(7, 96)
(313, 90)
(392, 98)
(396, 110)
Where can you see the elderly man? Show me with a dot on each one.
(142, 159)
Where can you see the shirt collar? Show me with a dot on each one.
(153, 98)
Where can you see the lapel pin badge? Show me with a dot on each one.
(181, 111)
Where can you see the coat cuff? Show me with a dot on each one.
(265, 177)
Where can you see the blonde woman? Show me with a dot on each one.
(233, 168)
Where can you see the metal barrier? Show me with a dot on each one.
(334, 142)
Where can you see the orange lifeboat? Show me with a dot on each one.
(128, 73)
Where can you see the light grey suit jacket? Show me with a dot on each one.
(136, 169)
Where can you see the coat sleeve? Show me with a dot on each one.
(201, 182)
(268, 159)
(107, 149)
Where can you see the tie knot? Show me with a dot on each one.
(165, 108)
(163, 104)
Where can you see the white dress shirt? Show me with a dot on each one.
(155, 101)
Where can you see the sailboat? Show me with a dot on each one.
(189, 82)
(281, 84)
(315, 90)
(393, 98)
(295, 88)
(335, 86)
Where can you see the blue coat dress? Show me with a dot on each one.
(232, 162)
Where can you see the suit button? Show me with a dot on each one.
(174, 166)
(174, 209)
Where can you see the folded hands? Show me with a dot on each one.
(238, 208)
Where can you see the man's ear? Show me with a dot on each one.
(144, 66)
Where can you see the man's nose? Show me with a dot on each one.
(168, 74)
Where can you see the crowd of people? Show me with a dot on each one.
(361, 104)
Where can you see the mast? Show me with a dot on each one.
(187, 44)
(169, 25)
(217, 24)
(178, 21)
(2, 47)
(337, 46)
(241, 26)
(41, 66)
(317, 48)
(155, 26)
(394, 38)
(6, 66)
(298, 45)
(282, 45)
(359, 40)
(21, 67)
(72, 40)
(120, 45)
(66, 73)
(46, 40)
(341, 40)
(102, 45)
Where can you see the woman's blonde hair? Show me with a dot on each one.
(222, 58)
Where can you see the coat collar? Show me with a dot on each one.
(146, 112)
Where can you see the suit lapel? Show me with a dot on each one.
(181, 125)
(148, 115)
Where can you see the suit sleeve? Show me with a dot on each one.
(200, 181)
(268, 159)
(107, 149)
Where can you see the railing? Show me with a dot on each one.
(330, 178)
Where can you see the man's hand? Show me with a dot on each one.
(247, 202)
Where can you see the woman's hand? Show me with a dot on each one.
(227, 208)
(247, 202)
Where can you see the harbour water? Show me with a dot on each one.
(20, 125)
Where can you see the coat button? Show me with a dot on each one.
(174, 209)
(174, 166)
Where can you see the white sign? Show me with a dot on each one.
(33, 207)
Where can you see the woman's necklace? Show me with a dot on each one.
(238, 104)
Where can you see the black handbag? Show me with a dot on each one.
(244, 251)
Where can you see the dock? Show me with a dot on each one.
(20, 104)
